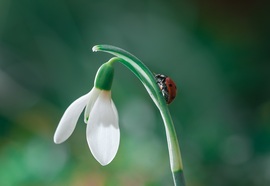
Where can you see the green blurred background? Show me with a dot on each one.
(216, 51)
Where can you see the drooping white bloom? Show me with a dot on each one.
(103, 134)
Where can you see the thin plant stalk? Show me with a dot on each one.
(148, 80)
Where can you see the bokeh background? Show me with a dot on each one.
(216, 51)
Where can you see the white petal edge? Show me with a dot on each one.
(103, 134)
(69, 119)
(92, 99)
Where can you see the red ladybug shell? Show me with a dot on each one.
(171, 87)
(167, 87)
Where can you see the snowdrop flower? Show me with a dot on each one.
(101, 117)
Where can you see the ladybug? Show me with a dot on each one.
(167, 87)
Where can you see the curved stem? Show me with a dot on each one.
(137, 70)
(136, 66)
(173, 146)
(148, 80)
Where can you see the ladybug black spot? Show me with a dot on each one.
(170, 85)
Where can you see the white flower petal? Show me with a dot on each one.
(114, 110)
(68, 121)
(103, 134)
(92, 99)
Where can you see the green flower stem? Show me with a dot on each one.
(178, 178)
(175, 157)
(173, 146)
(148, 84)
(148, 80)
